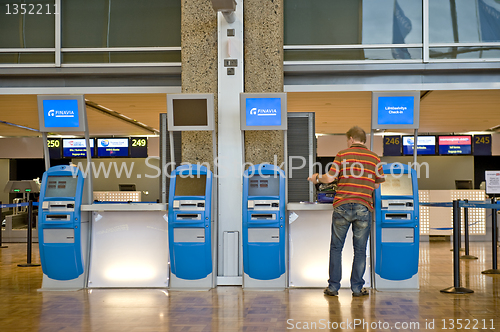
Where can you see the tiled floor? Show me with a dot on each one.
(24, 308)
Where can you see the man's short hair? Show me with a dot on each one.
(357, 133)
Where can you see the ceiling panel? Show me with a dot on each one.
(145, 108)
(20, 110)
(460, 111)
(336, 112)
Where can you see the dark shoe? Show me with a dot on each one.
(330, 292)
(363, 292)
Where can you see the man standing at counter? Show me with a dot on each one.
(359, 173)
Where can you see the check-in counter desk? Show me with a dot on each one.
(15, 229)
(309, 247)
(438, 221)
(129, 245)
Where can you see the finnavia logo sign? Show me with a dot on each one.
(263, 111)
(61, 113)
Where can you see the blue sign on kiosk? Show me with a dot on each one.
(397, 231)
(395, 110)
(189, 227)
(263, 111)
(264, 227)
(59, 216)
(61, 113)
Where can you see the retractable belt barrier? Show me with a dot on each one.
(2, 206)
(29, 237)
(456, 205)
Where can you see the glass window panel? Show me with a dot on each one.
(344, 22)
(121, 23)
(465, 21)
(351, 54)
(322, 22)
(30, 30)
(121, 57)
(26, 58)
(84, 23)
(464, 52)
(392, 22)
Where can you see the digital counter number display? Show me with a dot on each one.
(392, 145)
(54, 145)
(138, 147)
(482, 145)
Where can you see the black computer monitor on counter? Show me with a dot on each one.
(126, 187)
(463, 184)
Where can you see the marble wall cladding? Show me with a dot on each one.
(199, 70)
(264, 146)
(263, 40)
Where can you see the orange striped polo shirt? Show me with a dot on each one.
(357, 170)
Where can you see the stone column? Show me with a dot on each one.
(199, 70)
(263, 44)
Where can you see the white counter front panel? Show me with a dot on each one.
(309, 248)
(129, 249)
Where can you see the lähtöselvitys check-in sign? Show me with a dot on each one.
(61, 113)
(395, 110)
(263, 111)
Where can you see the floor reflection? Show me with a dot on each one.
(23, 308)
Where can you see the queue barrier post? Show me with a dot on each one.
(466, 225)
(29, 238)
(1, 220)
(494, 240)
(456, 289)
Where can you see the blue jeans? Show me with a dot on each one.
(343, 216)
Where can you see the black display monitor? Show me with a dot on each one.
(77, 147)
(112, 147)
(266, 185)
(426, 145)
(463, 184)
(126, 187)
(190, 186)
(190, 111)
(60, 186)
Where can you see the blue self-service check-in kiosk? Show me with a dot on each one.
(190, 227)
(264, 233)
(60, 226)
(397, 229)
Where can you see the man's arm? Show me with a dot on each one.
(324, 178)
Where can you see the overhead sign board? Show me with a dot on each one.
(61, 113)
(395, 110)
(263, 111)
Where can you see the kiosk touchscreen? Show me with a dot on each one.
(190, 227)
(264, 227)
(60, 226)
(397, 229)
